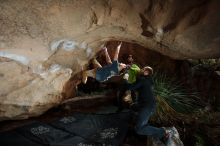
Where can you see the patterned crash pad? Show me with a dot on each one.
(79, 129)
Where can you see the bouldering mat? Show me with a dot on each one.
(79, 129)
(107, 129)
(47, 135)
(12, 138)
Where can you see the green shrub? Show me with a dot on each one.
(173, 100)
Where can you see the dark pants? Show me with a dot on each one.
(143, 128)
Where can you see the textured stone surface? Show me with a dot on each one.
(44, 43)
(25, 94)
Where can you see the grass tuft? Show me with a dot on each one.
(173, 100)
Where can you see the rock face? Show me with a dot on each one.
(44, 43)
(24, 93)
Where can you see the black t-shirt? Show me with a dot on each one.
(144, 87)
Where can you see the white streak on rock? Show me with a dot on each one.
(18, 58)
(39, 69)
(54, 68)
(159, 34)
(66, 44)
(83, 45)
(45, 73)
(69, 45)
(55, 45)
(88, 52)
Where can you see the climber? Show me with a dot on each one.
(130, 75)
(146, 105)
(102, 74)
(133, 69)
